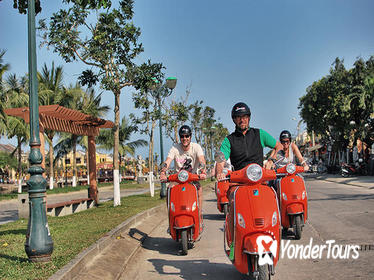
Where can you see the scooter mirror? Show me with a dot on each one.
(219, 157)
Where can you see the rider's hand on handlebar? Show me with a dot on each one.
(269, 164)
(306, 167)
(221, 176)
(202, 176)
(163, 177)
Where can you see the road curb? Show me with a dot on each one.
(75, 266)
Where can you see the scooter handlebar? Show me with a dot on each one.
(191, 177)
(284, 171)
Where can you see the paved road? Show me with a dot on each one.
(337, 212)
(9, 208)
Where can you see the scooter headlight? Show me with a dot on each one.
(291, 168)
(241, 221)
(172, 206)
(225, 171)
(254, 172)
(183, 176)
(194, 206)
(274, 219)
(303, 195)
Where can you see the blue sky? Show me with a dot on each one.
(265, 53)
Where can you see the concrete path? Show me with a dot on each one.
(338, 212)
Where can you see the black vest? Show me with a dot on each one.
(245, 149)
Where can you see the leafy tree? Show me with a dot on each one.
(176, 114)
(196, 113)
(108, 45)
(51, 91)
(87, 103)
(106, 139)
(3, 68)
(149, 99)
(7, 161)
(15, 95)
(333, 102)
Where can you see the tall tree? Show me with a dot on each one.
(344, 97)
(108, 44)
(176, 114)
(106, 139)
(3, 68)
(51, 91)
(87, 103)
(15, 95)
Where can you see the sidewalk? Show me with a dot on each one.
(358, 181)
(108, 257)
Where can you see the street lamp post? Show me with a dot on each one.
(39, 244)
(171, 82)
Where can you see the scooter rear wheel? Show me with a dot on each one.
(184, 242)
(263, 270)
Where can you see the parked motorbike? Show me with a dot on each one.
(292, 197)
(252, 226)
(359, 168)
(185, 219)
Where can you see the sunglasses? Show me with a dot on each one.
(184, 136)
(285, 142)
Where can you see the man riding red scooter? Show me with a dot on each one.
(221, 189)
(252, 224)
(184, 199)
(290, 187)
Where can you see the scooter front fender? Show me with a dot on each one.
(183, 221)
(295, 208)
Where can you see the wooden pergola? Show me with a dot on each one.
(59, 118)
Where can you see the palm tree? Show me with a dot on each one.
(106, 139)
(51, 92)
(87, 103)
(14, 95)
(3, 69)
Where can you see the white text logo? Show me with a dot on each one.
(310, 251)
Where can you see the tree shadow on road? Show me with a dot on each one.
(214, 217)
(166, 246)
(195, 269)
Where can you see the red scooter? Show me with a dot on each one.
(293, 199)
(252, 226)
(221, 192)
(185, 219)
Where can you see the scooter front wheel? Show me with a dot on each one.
(184, 242)
(297, 227)
(225, 209)
(263, 270)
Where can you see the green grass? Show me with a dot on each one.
(8, 196)
(70, 234)
(67, 189)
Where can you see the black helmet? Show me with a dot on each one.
(285, 134)
(185, 130)
(240, 109)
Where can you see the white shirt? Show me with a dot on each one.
(179, 155)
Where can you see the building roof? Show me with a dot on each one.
(8, 148)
